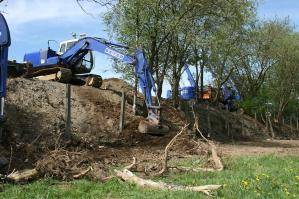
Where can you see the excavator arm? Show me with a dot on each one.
(80, 48)
(190, 76)
(142, 70)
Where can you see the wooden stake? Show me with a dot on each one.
(255, 117)
(135, 94)
(209, 120)
(291, 124)
(242, 127)
(122, 112)
(68, 110)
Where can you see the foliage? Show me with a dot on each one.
(223, 37)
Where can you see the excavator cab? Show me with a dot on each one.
(85, 65)
(4, 45)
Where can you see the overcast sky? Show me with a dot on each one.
(33, 22)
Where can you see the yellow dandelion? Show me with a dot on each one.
(245, 183)
(257, 178)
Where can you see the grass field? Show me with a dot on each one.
(243, 177)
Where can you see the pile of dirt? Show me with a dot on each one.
(37, 109)
(34, 131)
(35, 124)
(222, 125)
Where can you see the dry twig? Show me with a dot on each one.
(164, 169)
(83, 173)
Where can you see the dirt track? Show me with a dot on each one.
(277, 147)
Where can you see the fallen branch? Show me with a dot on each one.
(128, 176)
(21, 176)
(189, 169)
(83, 173)
(164, 169)
(131, 165)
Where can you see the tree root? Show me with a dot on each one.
(164, 169)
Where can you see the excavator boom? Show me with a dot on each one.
(75, 54)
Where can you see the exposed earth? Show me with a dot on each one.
(33, 135)
(264, 147)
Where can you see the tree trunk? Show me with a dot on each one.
(159, 88)
(201, 81)
(175, 91)
(197, 93)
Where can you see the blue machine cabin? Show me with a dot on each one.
(41, 58)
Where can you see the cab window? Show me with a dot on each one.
(69, 44)
(62, 48)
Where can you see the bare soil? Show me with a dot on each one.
(33, 135)
(261, 147)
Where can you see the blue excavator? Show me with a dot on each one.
(229, 92)
(4, 45)
(186, 92)
(68, 67)
(189, 92)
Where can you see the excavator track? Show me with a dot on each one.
(94, 81)
(63, 75)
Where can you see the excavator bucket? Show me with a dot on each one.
(147, 127)
(152, 125)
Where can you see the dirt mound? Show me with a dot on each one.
(224, 125)
(38, 108)
(36, 124)
(34, 131)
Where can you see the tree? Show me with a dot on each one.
(283, 79)
(256, 55)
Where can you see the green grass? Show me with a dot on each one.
(246, 177)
